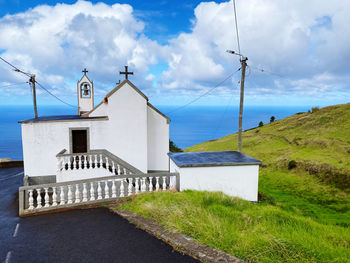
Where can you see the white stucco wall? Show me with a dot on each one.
(157, 141)
(126, 130)
(43, 140)
(240, 181)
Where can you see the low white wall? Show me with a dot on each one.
(240, 181)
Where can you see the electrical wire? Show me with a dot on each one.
(224, 114)
(15, 68)
(14, 84)
(204, 94)
(29, 75)
(41, 86)
(237, 35)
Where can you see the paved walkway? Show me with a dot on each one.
(91, 235)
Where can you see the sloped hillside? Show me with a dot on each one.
(317, 142)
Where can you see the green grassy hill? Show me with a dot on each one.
(319, 142)
(303, 214)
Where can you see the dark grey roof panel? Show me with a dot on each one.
(225, 158)
(60, 118)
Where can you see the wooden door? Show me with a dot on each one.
(79, 141)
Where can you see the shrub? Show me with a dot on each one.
(173, 148)
(292, 164)
(261, 124)
(272, 119)
(315, 109)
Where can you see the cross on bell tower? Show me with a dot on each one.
(126, 72)
(85, 71)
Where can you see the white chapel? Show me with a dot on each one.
(124, 130)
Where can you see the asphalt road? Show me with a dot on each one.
(91, 235)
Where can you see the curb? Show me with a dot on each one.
(179, 242)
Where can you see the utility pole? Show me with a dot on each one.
(243, 61)
(244, 65)
(32, 81)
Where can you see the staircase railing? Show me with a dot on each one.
(93, 160)
(67, 195)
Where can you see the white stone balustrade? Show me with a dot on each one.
(67, 194)
(90, 165)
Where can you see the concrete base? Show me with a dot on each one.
(35, 180)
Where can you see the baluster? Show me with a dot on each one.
(106, 190)
(99, 191)
(164, 183)
(62, 201)
(107, 164)
(77, 194)
(143, 184)
(73, 162)
(122, 188)
(92, 191)
(69, 163)
(90, 161)
(130, 187)
(83, 161)
(137, 185)
(84, 193)
(118, 171)
(54, 196)
(31, 199)
(95, 161)
(124, 171)
(150, 186)
(69, 195)
(79, 163)
(101, 161)
(114, 189)
(46, 197)
(38, 199)
(113, 168)
(157, 183)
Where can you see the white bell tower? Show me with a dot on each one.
(85, 94)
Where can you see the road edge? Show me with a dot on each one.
(178, 241)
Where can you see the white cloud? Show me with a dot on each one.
(300, 40)
(57, 42)
(305, 42)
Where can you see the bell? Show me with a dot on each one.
(86, 90)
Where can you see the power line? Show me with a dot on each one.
(15, 68)
(224, 114)
(30, 75)
(237, 35)
(41, 86)
(14, 84)
(204, 94)
(267, 71)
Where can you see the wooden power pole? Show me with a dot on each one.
(32, 80)
(244, 65)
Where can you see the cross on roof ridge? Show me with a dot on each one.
(126, 72)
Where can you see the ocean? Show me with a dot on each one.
(188, 126)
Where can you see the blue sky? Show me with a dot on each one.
(177, 49)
